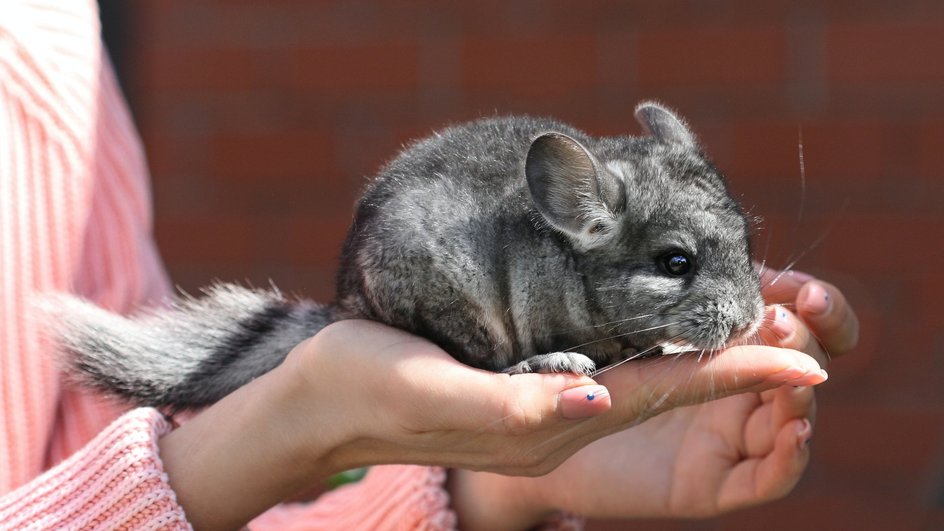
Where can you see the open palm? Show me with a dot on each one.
(697, 460)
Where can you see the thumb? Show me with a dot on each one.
(525, 403)
(659, 384)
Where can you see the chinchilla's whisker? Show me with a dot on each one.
(601, 325)
(822, 345)
(802, 161)
(633, 357)
(624, 334)
(791, 263)
(763, 262)
(620, 362)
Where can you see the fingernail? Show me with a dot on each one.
(814, 377)
(583, 402)
(800, 276)
(788, 375)
(817, 300)
(798, 377)
(780, 323)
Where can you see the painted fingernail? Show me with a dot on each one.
(817, 300)
(780, 323)
(583, 402)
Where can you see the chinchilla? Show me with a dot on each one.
(516, 244)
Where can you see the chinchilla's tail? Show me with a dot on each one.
(185, 356)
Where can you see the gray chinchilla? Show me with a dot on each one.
(516, 244)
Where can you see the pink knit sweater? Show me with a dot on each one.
(75, 216)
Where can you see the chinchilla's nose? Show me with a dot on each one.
(749, 310)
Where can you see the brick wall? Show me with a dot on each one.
(263, 119)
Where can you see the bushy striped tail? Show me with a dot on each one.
(186, 356)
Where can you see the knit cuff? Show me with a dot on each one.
(389, 497)
(116, 481)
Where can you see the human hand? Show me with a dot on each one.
(419, 405)
(360, 393)
(692, 461)
(831, 321)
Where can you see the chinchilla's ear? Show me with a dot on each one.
(572, 190)
(663, 124)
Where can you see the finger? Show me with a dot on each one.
(824, 308)
(780, 327)
(779, 287)
(793, 403)
(655, 385)
(758, 480)
(517, 404)
(785, 404)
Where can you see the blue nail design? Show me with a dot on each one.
(590, 396)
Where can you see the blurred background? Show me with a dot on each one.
(263, 120)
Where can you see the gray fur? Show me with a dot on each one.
(515, 244)
(187, 355)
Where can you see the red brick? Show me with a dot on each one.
(930, 285)
(372, 66)
(532, 68)
(883, 440)
(854, 150)
(318, 241)
(886, 51)
(727, 57)
(267, 156)
(931, 151)
(849, 150)
(211, 239)
(305, 239)
(879, 243)
(196, 69)
(248, 25)
(300, 252)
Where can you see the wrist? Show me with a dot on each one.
(247, 453)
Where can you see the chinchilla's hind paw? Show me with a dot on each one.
(554, 362)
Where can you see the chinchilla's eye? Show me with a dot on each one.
(676, 263)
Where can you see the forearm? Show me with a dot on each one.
(245, 454)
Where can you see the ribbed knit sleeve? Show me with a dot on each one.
(115, 482)
(74, 216)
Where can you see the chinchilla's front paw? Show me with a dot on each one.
(554, 362)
